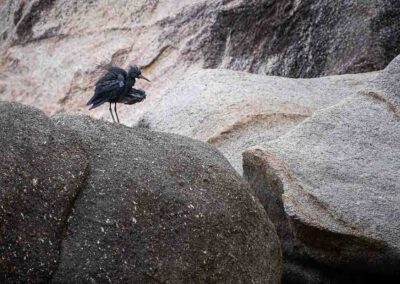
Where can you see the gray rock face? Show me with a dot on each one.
(163, 208)
(54, 48)
(236, 110)
(388, 83)
(42, 171)
(149, 208)
(332, 187)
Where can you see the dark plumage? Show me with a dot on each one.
(115, 86)
(134, 96)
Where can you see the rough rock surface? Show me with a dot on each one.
(332, 187)
(50, 49)
(42, 171)
(236, 110)
(388, 83)
(165, 209)
(85, 201)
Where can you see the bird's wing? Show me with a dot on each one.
(109, 86)
(134, 96)
(113, 73)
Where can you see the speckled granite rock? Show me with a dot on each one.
(53, 48)
(236, 110)
(42, 171)
(332, 188)
(161, 208)
(388, 83)
(85, 201)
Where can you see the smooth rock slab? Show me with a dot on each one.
(236, 110)
(332, 187)
(161, 208)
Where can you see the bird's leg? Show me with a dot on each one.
(116, 113)
(111, 113)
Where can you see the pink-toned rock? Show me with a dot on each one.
(235, 110)
(51, 50)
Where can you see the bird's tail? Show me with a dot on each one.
(95, 104)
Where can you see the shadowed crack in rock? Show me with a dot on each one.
(69, 212)
(25, 25)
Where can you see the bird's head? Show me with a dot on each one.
(135, 72)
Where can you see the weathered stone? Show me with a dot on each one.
(388, 82)
(332, 187)
(82, 200)
(53, 48)
(42, 171)
(236, 110)
(163, 208)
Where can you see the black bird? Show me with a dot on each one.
(115, 86)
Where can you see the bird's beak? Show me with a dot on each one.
(143, 77)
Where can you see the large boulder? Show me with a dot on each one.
(161, 208)
(332, 188)
(42, 171)
(85, 201)
(54, 48)
(236, 110)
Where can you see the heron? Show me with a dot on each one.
(115, 86)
